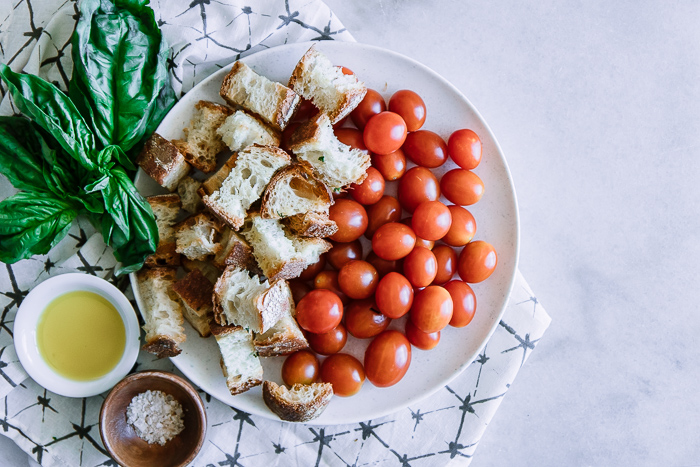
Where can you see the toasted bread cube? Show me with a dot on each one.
(284, 338)
(202, 143)
(301, 403)
(195, 292)
(239, 360)
(205, 267)
(235, 251)
(165, 208)
(197, 236)
(190, 199)
(241, 130)
(311, 224)
(163, 162)
(295, 190)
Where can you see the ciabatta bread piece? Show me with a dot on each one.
(243, 300)
(166, 209)
(235, 251)
(239, 360)
(211, 184)
(301, 403)
(161, 312)
(190, 199)
(336, 164)
(163, 162)
(280, 254)
(202, 143)
(294, 190)
(198, 236)
(271, 101)
(195, 292)
(205, 267)
(311, 224)
(245, 183)
(283, 338)
(241, 129)
(336, 94)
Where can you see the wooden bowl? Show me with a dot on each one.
(122, 442)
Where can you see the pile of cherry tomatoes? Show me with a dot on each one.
(406, 272)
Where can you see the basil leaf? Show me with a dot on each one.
(20, 154)
(120, 79)
(32, 224)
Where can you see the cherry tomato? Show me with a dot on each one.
(431, 220)
(299, 289)
(305, 111)
(432, 309)
(394, 295)
(364, 320)
(425, 148)
(351, 137)
(387, 358)
(463, 227)
(370, 190)
(446, 259)
(420, 267)
(393, 241)
(463, 301)
(312, 269)
(328, 280)
(422, 340)
(462, 187)
(346, 71)
(392, 166)
(464, 148)
(386, 210)
(344, 372)
(416, 186)
(301, 367)
(384, 133)
(329, 342)
(358, 279)
(319, 311)
(384, 266)
(341, 253)
(351, 218)
(410, 106)
(429, 244)
(372, 104)
(477, 261)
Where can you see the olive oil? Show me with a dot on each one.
(81, 335)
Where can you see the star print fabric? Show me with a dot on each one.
(206, 35)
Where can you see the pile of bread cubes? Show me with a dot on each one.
(256, 222)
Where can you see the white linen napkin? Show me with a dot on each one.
(206, 35)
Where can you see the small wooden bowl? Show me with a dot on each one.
(122, 442)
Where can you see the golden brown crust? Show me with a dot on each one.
(239, 387)
(311, 224)
(199, 323)
(219, 330)
(304, 177)
(195, 290)
(310, 130)
(193, 156)
(239, 253)
(205, 267)
(162, 161)
(214, 107)
(165, 256)
(162, 346)
(280, 345)
(297, 411)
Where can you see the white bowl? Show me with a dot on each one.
(25, 332)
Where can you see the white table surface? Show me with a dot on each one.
(596, 106)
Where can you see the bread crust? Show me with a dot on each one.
(205, 165)
(165, 255)
(311, 224)
(162, 346)
(163, 162)
(305, 175)
(292, 411)
(196, 291)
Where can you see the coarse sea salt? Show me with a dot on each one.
(155, 416)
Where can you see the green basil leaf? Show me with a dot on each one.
(20, 154)
(32, 224)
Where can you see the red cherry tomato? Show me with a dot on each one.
(422, 340)
(299, 289)
(351, 137)
(420, 267)
(372, 104)
(393, 241)
(432, 309)
(351, 218)
(319, 311)
(425, 148)
(394, 295)
(305, 111)
(344, 372)
(312, 269)
(358, 279)
(429, 244)
(346, 71)
(477, 261)
(446, 259)
(462, 187)
(464, 148)
(386, 210)
(328, 280)
(463, 227)
(416, 186)
(392, 166)
(431, 220)
(410, 106)
(384, 133)
(342, 253)
(463, 301)
(364, 320)
(384, 266)
(387, 358)
(370, 190)
(328, 343)
(301, 367)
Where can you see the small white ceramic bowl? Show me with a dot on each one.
(25, 334)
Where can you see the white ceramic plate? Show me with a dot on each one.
(496, 217)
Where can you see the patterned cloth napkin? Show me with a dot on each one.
(206, 35)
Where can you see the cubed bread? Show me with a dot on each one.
(239, 360)
(272, 102)
(243, 300)
(311, 224)
(284, 338)
(190, 199)
(294, 190)
(163, 162)
(301, 403)
(166, 209)
(205, 267)
(195, 292)
(280, 254)
(198, 236)
(245, 183)
(161, 312)
(202, 143)
(241, 129)
(336, 94)
(235, 251)
(336, 164)
(211, 184)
